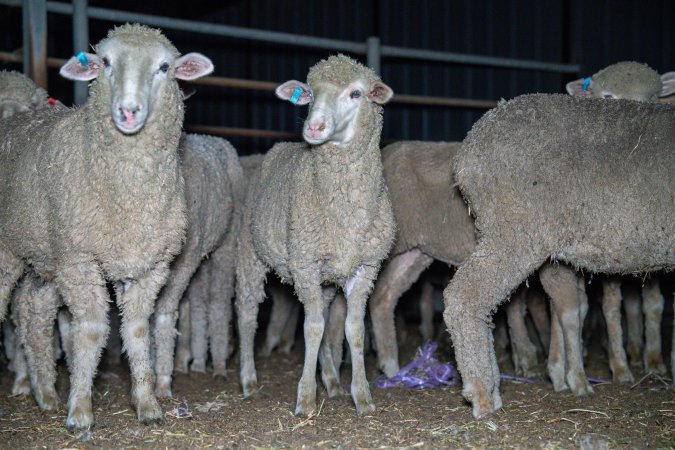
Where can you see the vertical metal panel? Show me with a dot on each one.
(80, 43)
(37, 40)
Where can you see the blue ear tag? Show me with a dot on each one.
(587, 81)
(296, 95)
(83, 59)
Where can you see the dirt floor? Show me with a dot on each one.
(216, 415)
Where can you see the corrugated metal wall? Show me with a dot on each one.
(593, 34)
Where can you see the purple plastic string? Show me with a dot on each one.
(423, 372)
(511, 377)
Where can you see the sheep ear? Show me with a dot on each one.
(667, 84)
(75, 68)
(295, 92)
(192, 66)
(381, 93)
(576, 88)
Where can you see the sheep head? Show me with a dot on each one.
(625, 80)
(337, 90)
(137, 63)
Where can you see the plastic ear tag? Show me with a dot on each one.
(587, 81)
(296, 96)
(83, 59)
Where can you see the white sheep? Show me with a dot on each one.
(95, 194)
(318, 212)
(587, 182)
(18, 93)
(214, 188)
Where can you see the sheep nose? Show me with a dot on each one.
(316, 128)
(129, 110)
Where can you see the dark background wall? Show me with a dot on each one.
(593, 34)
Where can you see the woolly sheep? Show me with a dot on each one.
(213, 193)
(18, 93)
(318, 212)
(96, 193)
(631, 81)
(582, 181)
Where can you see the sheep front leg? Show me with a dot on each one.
(611, 308)
(632, 305)
(183, 354)
(480, 284)
(311, 297)
(36, 307)
(652, 305)
(556, 355)
(198, 295)
(427, 311)
(282, 306)
(569, 301)
(288, 336)
(16, 356)
(396, 277)
(84, 292)
(221, 290)
(356, 291)
(136, 300)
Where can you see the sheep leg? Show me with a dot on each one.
(477, 288)
(64, 320)
(523, 351)
(570, 304)
(632, 305)
(36, 306)
(288, 335)
(84, 293)
(282, 304)
(197, 291)
(537, 306)
(329, 374)
(356, 292)
(336, 328)
(166, 314)
(611, 309)
(310, 294)
(250, 286)
(183, 355)
(136, 301)
(17, 358)
(652, 305)
(501, 339)
(427, 311)
(556, 354)
(396, 277)
(221, 290)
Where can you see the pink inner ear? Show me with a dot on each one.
(192, 66)
(74, 70)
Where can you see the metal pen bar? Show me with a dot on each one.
(80, 44)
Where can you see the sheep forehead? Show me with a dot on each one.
(137, 36)
(340, 71)
(628, 78)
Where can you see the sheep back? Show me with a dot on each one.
(429, 210)
(587, 181)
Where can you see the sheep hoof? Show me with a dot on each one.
(477, 394)
(266, 351)
(219, 372)
(163, 387)
(250, 388)
(390, 368)
(21, 386)
(365, 408)
(198, 367)
(307, 409)
(333, 388)
(48, 400)
(149, 411)
(80, 416)
(655, 365)
(580, 386)
(182, 363)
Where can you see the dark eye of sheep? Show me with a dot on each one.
(164, 67)
(355, 94)
(106, 62)
(608, 96)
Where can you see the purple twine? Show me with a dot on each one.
(423, 372)
(511, 377)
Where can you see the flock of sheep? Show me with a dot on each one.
(113, 200)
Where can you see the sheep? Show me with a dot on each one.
(318, 212)
(214, 193)
(582, 181)
(631, 81)
(95, 194)
(18, 93)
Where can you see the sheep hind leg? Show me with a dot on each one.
(288, 335)
(556, 355)
(427, 311)
(632, 305)
(198, 295)
(523, 351)
(282, 305)
(652, 305)
(336, 328)
(183, 355)
(17, 357)
(570, 304)
(537, 306)
(398, 274)
(475, 291)
(221, 290)
(37, 305)
(356, 291)
(329, 373)
(611, 309)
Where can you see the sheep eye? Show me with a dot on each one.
(164, 67)
(106, 62)
(355, 94)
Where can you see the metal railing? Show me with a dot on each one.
(36, 61)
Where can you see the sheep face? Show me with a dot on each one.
(137, 71)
